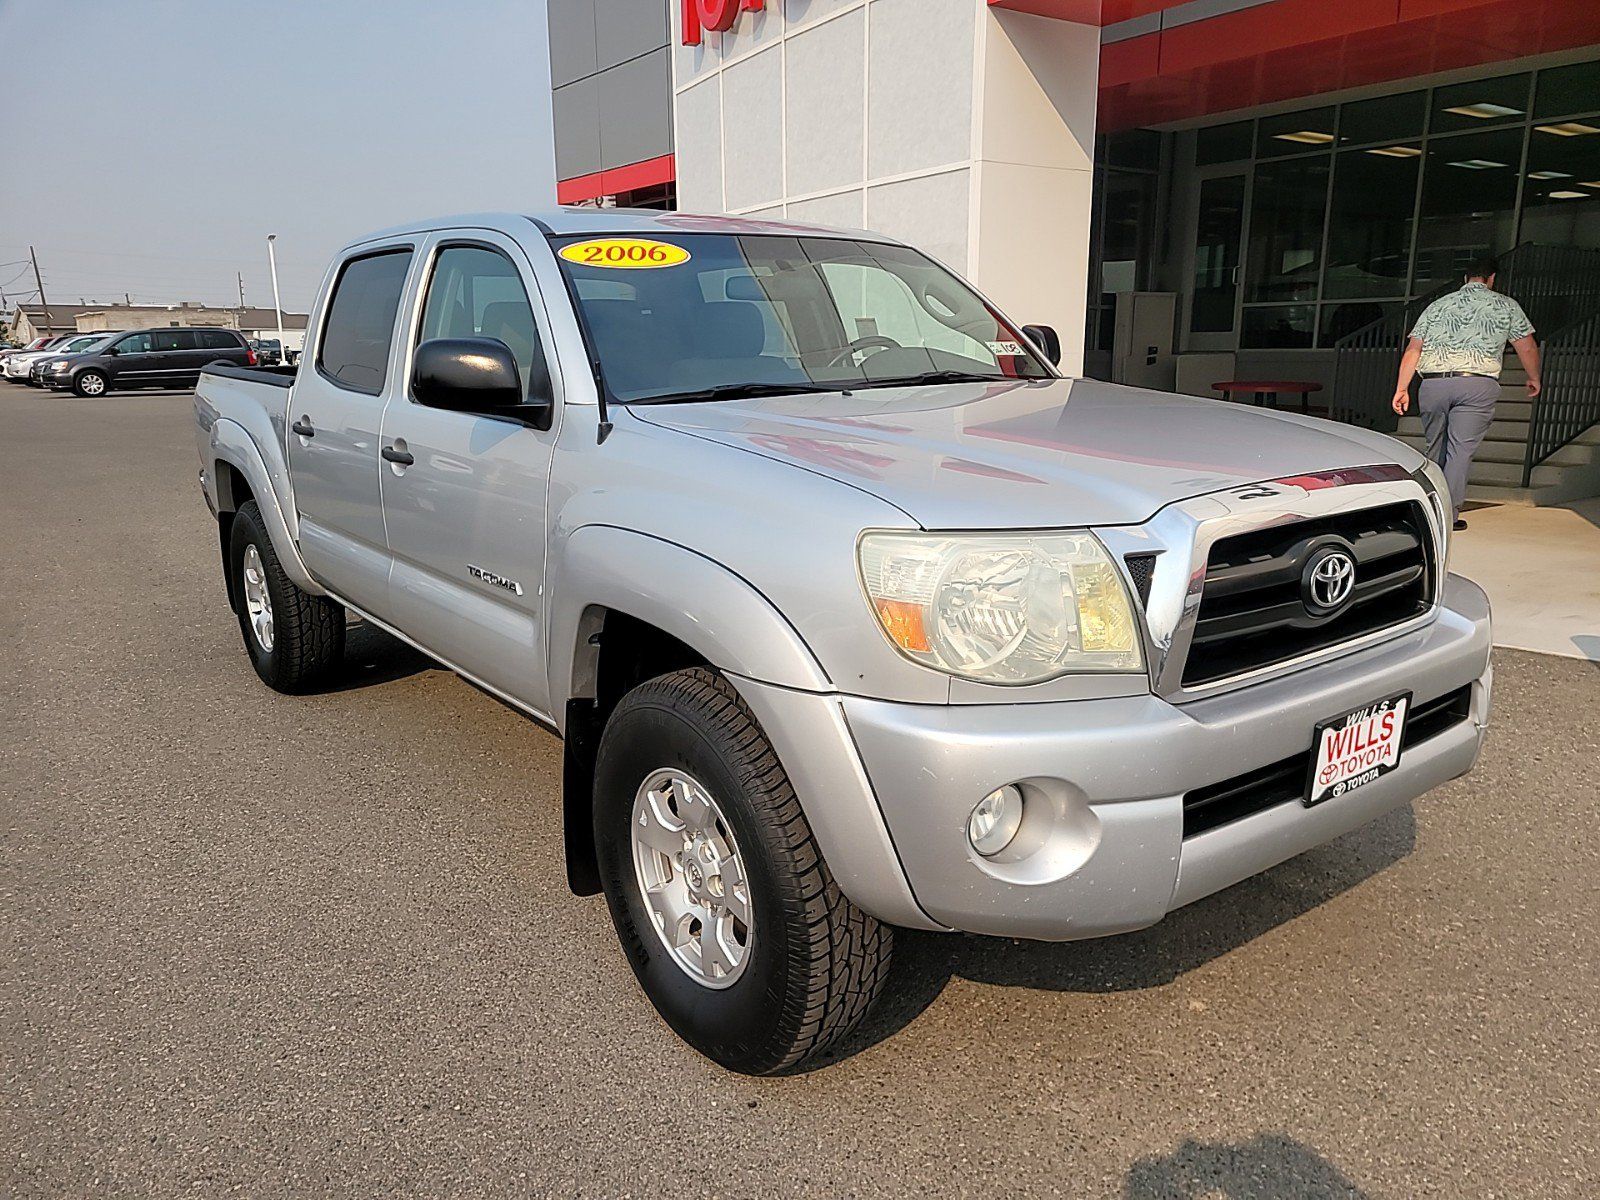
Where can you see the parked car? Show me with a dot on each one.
(269, 352)
(18, 361)
(43, 366)
(165, 358)
(853, 612)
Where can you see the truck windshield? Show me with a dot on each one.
(711, 316)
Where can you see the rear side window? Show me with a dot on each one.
(359, 328)
(216, 339)
(173, 339)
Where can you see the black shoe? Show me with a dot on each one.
(1459, 525)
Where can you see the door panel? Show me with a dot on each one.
(467, 541)
(1216, 253)
(340, 400)
(134, 365)
(466, 518)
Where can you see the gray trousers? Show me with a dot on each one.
(1455, 415)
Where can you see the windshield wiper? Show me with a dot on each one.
(739, 391)
(934, 377)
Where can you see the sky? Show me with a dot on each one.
(149, 146)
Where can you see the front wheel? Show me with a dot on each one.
(294, 639)
(90, 383)
(724, 905)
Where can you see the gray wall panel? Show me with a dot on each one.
(577, 121)
(572, 40)
(628, 28)
(635, 102)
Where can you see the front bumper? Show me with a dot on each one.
(1109, 777)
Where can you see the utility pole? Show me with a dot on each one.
(39, 279)
(272, 259)
(241, 288)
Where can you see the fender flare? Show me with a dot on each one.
(231, 443)
(675, 589)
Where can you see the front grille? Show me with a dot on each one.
(1280, 782)
(1252, 614)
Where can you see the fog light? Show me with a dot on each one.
(996, 820)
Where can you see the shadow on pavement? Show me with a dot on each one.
(1190, 937)
(1269, 1166)
(372, 657)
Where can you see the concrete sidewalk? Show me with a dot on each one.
(1541, 568)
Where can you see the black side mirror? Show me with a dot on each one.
(112, 351)
(474, 375)
(1047, 339)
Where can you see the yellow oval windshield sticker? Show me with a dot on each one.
(625, 254)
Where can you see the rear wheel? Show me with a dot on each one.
(90, 383)
(726, 910)
(294, 639)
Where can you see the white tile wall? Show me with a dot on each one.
(843, 209)
(825, 105)
(752, 130)
(920, 84)
(928, 212)
(699, 147)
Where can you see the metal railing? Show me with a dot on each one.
(1570, 400)
(1557, 286)
(1367, 362)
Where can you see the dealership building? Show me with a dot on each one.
(1190, 192)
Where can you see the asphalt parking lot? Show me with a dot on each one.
(323, 946)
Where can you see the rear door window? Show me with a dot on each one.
(172, 339)
(359, 328)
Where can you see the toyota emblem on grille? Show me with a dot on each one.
(1329, 578)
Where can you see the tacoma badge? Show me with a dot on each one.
(499, 581)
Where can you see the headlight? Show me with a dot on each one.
(1002, 608)
(60, 366)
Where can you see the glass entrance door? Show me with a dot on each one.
(1214, 273)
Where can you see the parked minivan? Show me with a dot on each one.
(167, 358)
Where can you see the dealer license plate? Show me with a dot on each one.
(1357, 747)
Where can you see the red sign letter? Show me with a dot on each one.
(716, 15)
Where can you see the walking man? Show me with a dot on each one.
(1457, 347)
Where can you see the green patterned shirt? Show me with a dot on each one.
(1468, 331)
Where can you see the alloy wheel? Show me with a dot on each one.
(692, 878)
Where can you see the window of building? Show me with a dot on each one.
(1280, 326)
(1296, 132)
(359, 329)
(1224, 143)
(477, 292)
(1568, 91)
(1481, 103)
(1469, 201)
(1370, 219)
(1561, 189)
(1383, 119)
(1289, 206)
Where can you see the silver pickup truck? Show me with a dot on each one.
(852, 612)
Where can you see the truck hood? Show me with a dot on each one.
(1029, 454)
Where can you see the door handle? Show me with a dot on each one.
(390, 454)
(304, 428)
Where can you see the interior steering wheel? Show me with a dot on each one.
(872, 341)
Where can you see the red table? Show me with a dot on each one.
(1267, 390)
